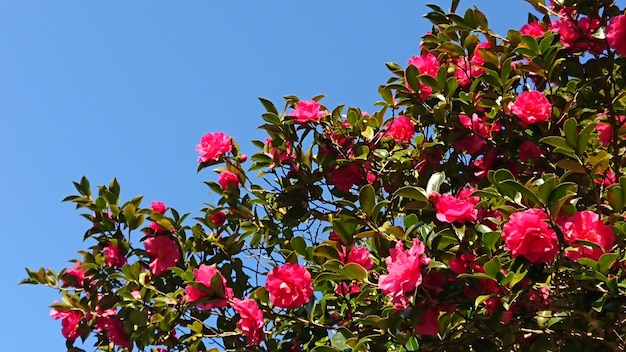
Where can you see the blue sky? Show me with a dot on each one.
(126, 89)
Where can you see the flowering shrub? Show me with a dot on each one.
(480, 208)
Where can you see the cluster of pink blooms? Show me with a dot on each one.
(453, 209)
(228, 179)
(401, 129)
(426, 64)
(289, 286)
(358, 255)
(106, 322)
(528, 234)
(250, 316)
(481, 131)
(213, 146)
(308, 111)
(203, 275)
(405, 272)
(160, 245)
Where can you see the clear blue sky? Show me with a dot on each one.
(127, 88)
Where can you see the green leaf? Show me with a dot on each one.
(367, 198)
(412, 192)
(339, 339)
(299, 245)
(583, 137)
(606, 261)
(354, 271)
(268, 105)
(557, 142)
(325, 349)
(531, 44)
(492, 267)
(481, 19)
(525, 192)
(570, 128)
(434, 182)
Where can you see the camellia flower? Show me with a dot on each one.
(286, 156)
(427, 64)
(289, 286)
(77, 273)
(576, 35)
(158, 207)
(346, 177)
(616, 34)
(429, 322)
(218, 218)
(359, 255)
(308, 111)
(527, 233)
(401, 129)
(227, 179)
(204, 274)
(250, 320)
(587, 226)
(605, 130)
(113, 256)
(213, 145)
(405, 269)
(114, 330)
(163, 252)
(531, 107)
(528, 150)
(534, 29)
(452, 209)
(70, 321)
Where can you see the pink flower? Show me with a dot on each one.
(577, 35)
(346, 177)
(426, 64)
(158, 207)
(452, 209)
(70, 320)
(532, 107)
(528, 150)
(77, 274)
(534, 29)
(605, 130)
(69, 324)
(113, 256)
(405, 269)
(204, 275)
(401, 129)
(471, 143)
(616, 34)
(429, 322)
(345, 288)
(218, 218)
(307, 110)
(163, 252)
(587, 226)
(286, 156)
(477, 59)
(605, 179)
(528, 233)
(250, 320)
(114, 330)
(213, 146)
(289, 286)
(359, 255)
(227, 179)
